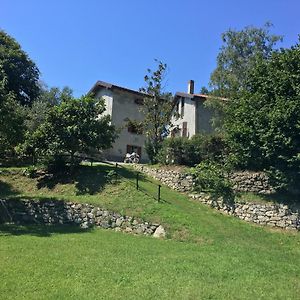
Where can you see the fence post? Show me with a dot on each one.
(116, 179)
(158, 194)
(137, 181)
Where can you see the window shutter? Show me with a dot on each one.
(184, 129)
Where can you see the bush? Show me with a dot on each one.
(112, 176)
(30, 172)
(172, 151)
(55, 164)
(189, 152)
(212, 177)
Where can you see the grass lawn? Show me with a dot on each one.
(206, 256)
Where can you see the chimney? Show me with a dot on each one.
(191, 87)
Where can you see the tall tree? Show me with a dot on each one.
(11, 123)
(21, 73)
(157, 108)
(263, 124)
(37, 112)
(237, 55)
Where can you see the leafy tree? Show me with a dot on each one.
(74, 126)
(157, 108)
(37, 112)
(263, 123)
(11, 120)
(238, 54)
(19, 71)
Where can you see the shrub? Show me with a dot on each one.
(212, 177)
(55, 164)
(112, 176)
(173, 151)
(189, 152)
(30, 172)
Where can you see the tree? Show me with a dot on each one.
(157, 108)
(37, 112)
(74, 126)
(11, 123)
(237, 56)
(19, 71)
(263, 122)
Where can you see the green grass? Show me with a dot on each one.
(292, 200)
(206, 256)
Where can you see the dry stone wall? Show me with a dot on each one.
(256, 182)
(83, 215)
(275, 215)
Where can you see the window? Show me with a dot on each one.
(184, 129)
(136, 149)
(135, 128)
(139, 101)
(177, 107)
(182, 106)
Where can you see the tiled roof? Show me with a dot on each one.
(110, 86)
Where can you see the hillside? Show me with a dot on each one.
(205, 255)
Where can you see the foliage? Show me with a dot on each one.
(30, 172)
(238, 55)
(157, 108)
(206, 250)
(212, 177)
(263, 123)
(189, 152)
(37, 112)
(54, 164)
(217, 107)
(11, 123)
(74, 126)
(134, 126)
(112, 176)
(22, 75)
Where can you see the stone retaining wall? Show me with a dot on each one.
(275, 215)
(256, 182)
(83, 215)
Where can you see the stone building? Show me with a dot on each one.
(195, 117)
(122, 104)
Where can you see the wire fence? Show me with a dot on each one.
(139, 181)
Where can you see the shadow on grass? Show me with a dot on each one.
(39, 230)
(292, 200)
(285, 198)
(7, 189)
(87, 179)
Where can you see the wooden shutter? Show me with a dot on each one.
(139, 151)
(184, 129)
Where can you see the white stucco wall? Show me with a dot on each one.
(197, 116)
(189, 116)
(107, 95)
(120, 105)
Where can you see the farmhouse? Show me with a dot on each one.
(195, 117)
(123, 104)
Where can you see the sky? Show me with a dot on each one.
(75, 43)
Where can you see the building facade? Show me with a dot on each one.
(194, 116)
(122, 105)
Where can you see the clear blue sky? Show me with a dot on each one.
(75, 43)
